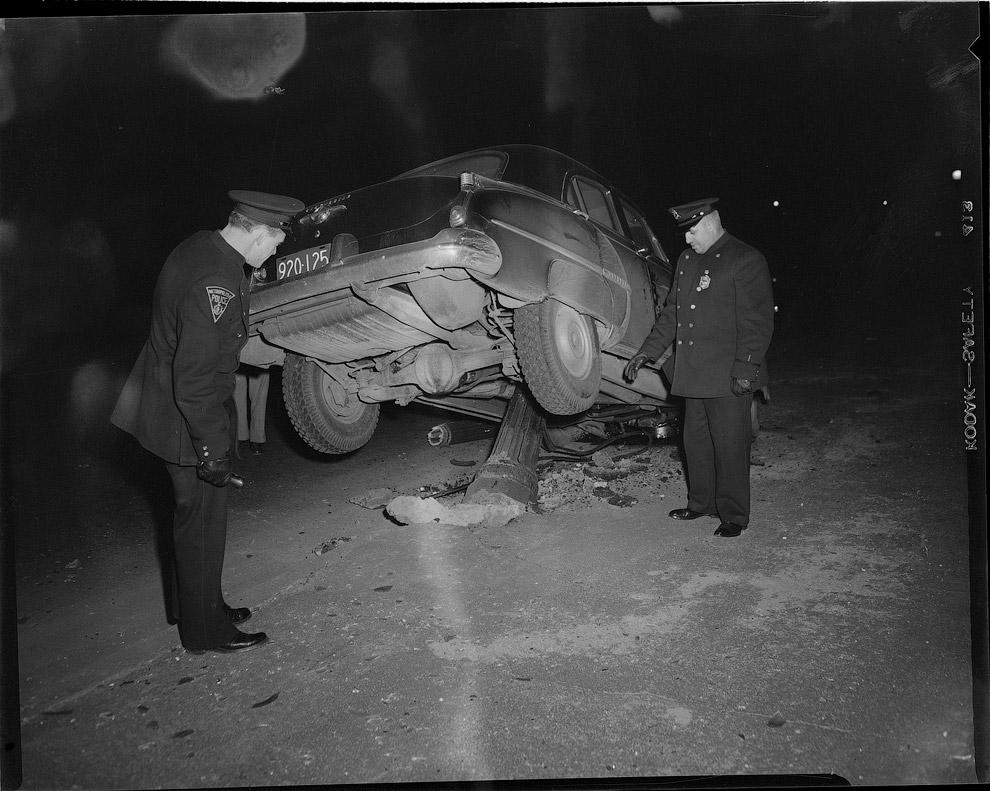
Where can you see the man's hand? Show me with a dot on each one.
(215, 471)
(633, 366)
(741, 387)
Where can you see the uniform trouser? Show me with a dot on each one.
(718, 434)
(199, 532)
(251, 397)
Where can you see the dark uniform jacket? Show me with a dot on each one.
(175, 400)
(719, 318)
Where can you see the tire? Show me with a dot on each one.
(318, 419)
(559, 356)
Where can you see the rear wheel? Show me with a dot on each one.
(323, 414)
(559, 355)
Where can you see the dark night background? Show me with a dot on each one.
(851, 116)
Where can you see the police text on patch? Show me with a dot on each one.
(219, 299)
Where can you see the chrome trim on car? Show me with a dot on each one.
(621, 282)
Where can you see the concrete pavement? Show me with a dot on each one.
(590, 641)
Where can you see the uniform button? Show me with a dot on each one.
(679, 343)
(718, 255)
(692, 307)
(678, 324)
(690, 325)
(690, 343)
(682, 271)
(698, 288)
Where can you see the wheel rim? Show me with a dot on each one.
(352, 409)
(572, 337)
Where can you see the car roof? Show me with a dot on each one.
(537, 167)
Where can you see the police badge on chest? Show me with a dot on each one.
(705, 281)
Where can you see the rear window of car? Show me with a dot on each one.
(489, 165)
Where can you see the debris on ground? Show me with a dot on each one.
(374, 498)
(326, 546)
(777, 720)
(615, 471)
(489, 509)
(614, 498)
(622, 482)
(602, 459)
(265, 702)
(459, 484)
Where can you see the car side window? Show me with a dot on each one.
(572, 196)
(639, 231)
(592, 200)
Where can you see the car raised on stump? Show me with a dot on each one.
(453, 283)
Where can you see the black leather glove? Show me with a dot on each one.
(215, 471)
(741, 387)
(633, 366)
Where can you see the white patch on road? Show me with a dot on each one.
(679, 715)
(465, 738)
(616, 636)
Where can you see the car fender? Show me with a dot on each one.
(597, 290)
(531, 233)
(582, 289)
(619, 289)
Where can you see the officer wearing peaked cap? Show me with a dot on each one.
(178, 403)
(717, 321)
(276, 211)
(689, 214)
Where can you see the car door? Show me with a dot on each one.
(648, 270)
(592, 199)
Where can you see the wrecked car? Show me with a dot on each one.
(453, 284)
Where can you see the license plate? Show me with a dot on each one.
(302, 262)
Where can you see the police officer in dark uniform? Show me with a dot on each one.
(178, 403)
(718, 321)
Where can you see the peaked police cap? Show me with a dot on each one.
(690, 213)
(274, 210)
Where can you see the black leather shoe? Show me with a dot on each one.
(237, 614)
(687, 513)
(729, 529)
(242, 641)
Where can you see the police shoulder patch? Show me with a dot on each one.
(219, 299)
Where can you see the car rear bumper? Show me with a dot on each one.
(452, 248)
